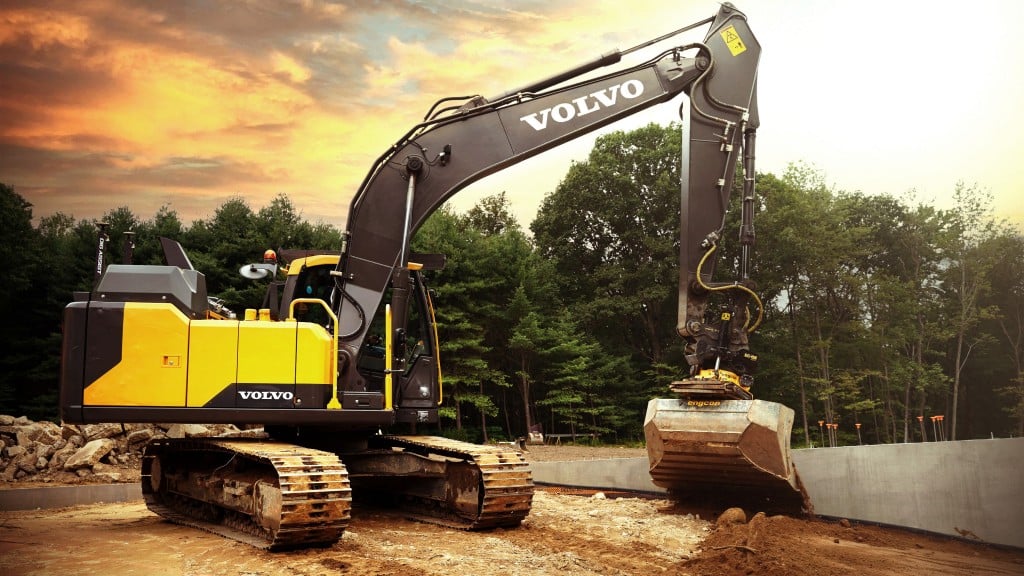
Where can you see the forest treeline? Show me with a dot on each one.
(880, 313)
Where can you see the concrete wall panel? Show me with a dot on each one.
(968, 489)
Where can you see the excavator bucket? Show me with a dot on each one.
(729, 448)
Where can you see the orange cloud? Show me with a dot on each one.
(107, 103)
(115, 104)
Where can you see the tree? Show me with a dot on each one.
(19, 258)
(581, 380)
(611, 228)
(279, 225)
(15, 233)
(807, 266)
(461, 315)
(42, 268)
(220, 246)
(492, 215)
(1006, 301)
(903, 297)
(165, 223)
(971, 225)
(527, 341)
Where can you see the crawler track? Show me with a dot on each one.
(267, 494)
(443, 481)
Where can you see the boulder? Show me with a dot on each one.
(106, 472)
(188, 431)
(88, 455)
(53, 432)
(223, 429)
(96, 431)
(23, 439)
(730, 517)
(76, 441)
(27, 463)
(15, 451)
(69, 430)
(42, 432)
(9, 471)
(6, 420)
(44, 450)
(61, 456)
(140, 436)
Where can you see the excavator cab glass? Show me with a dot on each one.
(416, 340)
(314, 282)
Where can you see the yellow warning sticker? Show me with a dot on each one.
(733, 41)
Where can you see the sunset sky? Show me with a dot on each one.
(113, 103)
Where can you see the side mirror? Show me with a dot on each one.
(258, 271)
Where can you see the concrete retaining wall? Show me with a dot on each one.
(968, 489)
(60, 496)
(611, 474)
(971, 488)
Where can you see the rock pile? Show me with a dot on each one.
(92, 452)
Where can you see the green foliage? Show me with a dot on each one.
(614, 220)
(15, 232)
(1006, 297)
(487, 256)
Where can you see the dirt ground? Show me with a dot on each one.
(567, 532)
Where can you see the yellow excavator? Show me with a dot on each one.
(345, 347)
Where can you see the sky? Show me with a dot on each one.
(187, 104)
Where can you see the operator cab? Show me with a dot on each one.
(415, 365)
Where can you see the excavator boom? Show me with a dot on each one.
(471, 138)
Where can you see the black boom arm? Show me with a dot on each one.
(474, 137)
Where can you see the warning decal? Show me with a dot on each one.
(733, 41)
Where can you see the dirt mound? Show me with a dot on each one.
(787, 546)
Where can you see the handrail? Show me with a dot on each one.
(388, 355)
(333, 404)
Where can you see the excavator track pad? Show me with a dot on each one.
(443, 481)
(270, 495)
(728, 450)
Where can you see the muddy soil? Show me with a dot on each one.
(567, 532)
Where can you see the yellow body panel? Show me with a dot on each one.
(154, 360)
(213, 359)
(266, 352)
(166, 360)
(312, 354)
(299, 264)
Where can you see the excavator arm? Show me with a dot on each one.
(465, 139)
